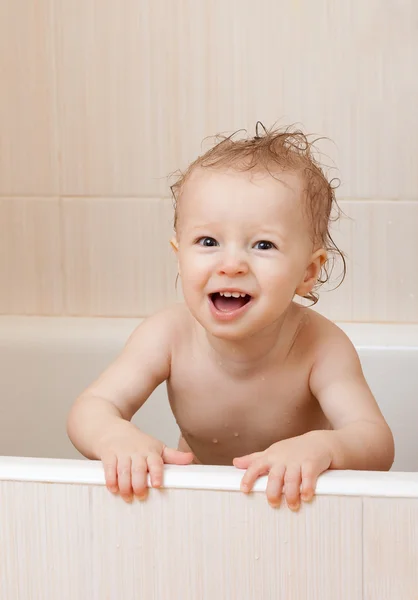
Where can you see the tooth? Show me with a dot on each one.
(236, 294)
(243, 295)
(226, 294)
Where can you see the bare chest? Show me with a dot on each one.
(223, 415)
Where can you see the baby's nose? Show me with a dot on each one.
(232, 264)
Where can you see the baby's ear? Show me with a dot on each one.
(312, 272)
(174, 244)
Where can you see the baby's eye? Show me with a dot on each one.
(208, 242)
(264, 245)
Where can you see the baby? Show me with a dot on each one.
(254, 379)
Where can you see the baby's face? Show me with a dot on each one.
(244, 248)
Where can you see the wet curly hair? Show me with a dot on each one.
(276, 150)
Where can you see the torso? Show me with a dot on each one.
(225, 413)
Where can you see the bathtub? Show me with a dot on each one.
(47, 361)
(63, 535)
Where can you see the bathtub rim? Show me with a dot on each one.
(88, 332)
(17, 329)
(392, 484)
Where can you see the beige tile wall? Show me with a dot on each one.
(101, 100)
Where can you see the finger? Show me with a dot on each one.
(275, 484)
(292, 481)
(243, 462)
(139, 475)
(309, 479)
(177, 457)
(109, 465)
(124, 478)
(255, 470)
(155, 467)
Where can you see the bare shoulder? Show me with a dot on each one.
(163, 328)
(333, 356)
(158, 336)
(323, 338)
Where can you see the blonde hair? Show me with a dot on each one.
(286, 150)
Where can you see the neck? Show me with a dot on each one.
(247, 353)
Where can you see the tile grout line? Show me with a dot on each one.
(362, 550)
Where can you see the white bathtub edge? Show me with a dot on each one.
(89, 331)
(195, 477)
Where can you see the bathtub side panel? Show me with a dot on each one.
(73, 541)
(390, 548)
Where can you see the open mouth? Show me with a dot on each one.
(229, 301)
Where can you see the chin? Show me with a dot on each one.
(231, 332)
(228, 336)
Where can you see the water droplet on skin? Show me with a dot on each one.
(412, 296)
(236, 434)
(263, 379)
(215, 441)
(257, 557)
(389, 222)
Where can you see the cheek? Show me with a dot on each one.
(194, 268)
(278, 275)
(272, 270)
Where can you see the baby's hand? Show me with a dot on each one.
(128, 455)
(289, 463)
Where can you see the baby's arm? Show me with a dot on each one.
(99, 421)
(361, 438)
